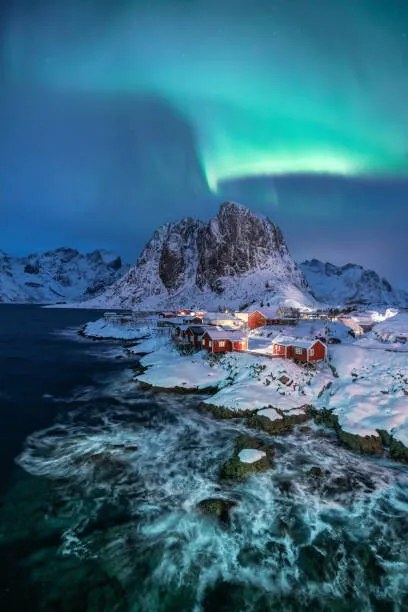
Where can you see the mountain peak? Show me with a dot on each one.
(229, 206)
(235, 258)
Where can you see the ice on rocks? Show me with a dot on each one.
(251, 455)
(269, 413)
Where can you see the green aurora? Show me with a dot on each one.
(270, 87)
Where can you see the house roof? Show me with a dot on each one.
(269, 313)
(219, 316)
(225, 334)
(197, 329)
(305, 343)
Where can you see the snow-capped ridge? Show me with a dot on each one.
(350, 284)
(58, 275)
(237, 257)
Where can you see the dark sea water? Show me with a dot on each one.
(100, 481)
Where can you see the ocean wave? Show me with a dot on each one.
(138, 471)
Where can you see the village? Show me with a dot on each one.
(302, 335)
(277, 364)
(228, 332)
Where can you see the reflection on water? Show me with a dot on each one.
(106, 511)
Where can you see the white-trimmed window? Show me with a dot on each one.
(311, 352)
(298, 350)
(221, 343)
(210, 343)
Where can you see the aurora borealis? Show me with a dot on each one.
(240, 89)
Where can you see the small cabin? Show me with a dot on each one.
(299, 349)
(271, 316)
(223, 341)
(167, 315)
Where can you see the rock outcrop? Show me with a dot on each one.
(239, 467)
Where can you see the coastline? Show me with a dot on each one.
(246, 388)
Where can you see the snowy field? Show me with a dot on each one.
(259, 382)
(166, 368)
(391, 333)
(371, 391)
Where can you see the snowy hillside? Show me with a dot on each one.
(57, 276)
(350, 284)
(235, 259)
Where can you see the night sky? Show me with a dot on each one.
(116, 116)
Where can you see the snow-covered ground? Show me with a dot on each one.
(259, 382)
(167, 368)
(370, 392)
(390, 333)
(103, 328)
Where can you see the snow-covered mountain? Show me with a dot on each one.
(235, 259)
(350, 284)
(57, 276)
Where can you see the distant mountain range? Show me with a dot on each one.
(237, 259)
(59, 275)
(350, 284)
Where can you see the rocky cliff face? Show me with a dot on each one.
(350, 284)
(59, 275)
(236, 258)
(237, 242)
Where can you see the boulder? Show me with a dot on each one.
(274, 421)
(316, 472)
(216, 507)
(243, 462)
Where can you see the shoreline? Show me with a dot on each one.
(382, 443)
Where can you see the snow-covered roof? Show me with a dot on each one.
(219, 316)
(268, 313)
(225, 334)
(291, 341)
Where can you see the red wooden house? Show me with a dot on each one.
(223, 341)
(299, 349)
(270, 316)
